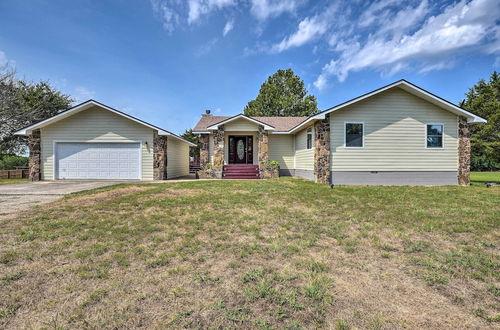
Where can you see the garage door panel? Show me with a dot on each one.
(98, 160)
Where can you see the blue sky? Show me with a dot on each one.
(166, 61)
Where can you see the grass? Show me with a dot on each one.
(479, 178)
(281, 253)
(12, 181)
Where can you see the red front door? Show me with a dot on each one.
(240, 150)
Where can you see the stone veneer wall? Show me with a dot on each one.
(159, 157)
(34, 145)
(322, 151)
(265, 170)
(218, 161)
(464, 151)
(204, 152)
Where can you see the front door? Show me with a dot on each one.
(240, 150)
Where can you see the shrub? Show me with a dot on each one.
(9, 162)
(272, 163)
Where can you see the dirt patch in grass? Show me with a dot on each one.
(281, 253)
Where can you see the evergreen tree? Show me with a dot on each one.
(283, 94)
(483, 99)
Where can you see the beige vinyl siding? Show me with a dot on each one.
(395, 135)
(304, 158)
(281, 150)
(95, 124)
(255, 145)
(178, 158)
(241, 125)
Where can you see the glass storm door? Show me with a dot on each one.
(240, 150)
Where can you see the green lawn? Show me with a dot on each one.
(12, 181)
(281, 253)
(479, 178)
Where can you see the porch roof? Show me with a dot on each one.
(280, 124)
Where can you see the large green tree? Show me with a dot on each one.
(22, 104)
(283, 94)
(483, 99)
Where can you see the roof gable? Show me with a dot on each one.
(91, 104)
(237, 117)
(412, 89)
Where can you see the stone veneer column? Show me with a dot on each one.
(263, 152)
(160, 157)
(204, 143)
(218, 161)
(464, 151)
(322, 151)
(34, 146)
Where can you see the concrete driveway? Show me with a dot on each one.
(15, 198)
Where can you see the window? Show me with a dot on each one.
(354, 135)
(434, 135)
(309, 138)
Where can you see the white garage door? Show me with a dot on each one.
(98, 160)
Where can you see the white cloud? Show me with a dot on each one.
(228, 27)
(83, 93)
(3, 59)
(166, 10)
(308, 30)
(376, 12)
(459, 27)
(437, 66)
(203, 7)
(174, 12)
(207, 47)
(264, 9)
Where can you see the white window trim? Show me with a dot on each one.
(307, 137)
(362, 135)
(54, 153)
(442, 139)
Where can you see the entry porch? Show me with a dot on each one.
(226, 152)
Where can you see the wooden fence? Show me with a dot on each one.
(14, 174)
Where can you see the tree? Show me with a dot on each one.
(483, 99)
(283, 94)
(195, 138)
(22, 104)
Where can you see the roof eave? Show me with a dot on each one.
(228, 120)
(85, 105)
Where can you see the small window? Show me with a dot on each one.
(309, 138)
(434, 135)
(354, 135)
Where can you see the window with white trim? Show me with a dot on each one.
(434, 135)
(354, 135)
(309, 138)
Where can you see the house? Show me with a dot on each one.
(399, 134)
(94, 141)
